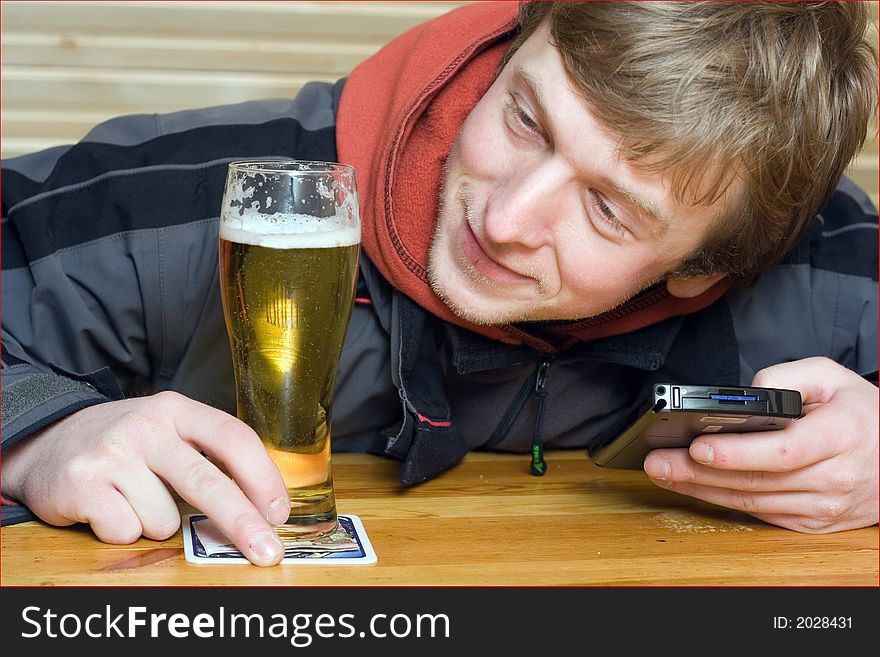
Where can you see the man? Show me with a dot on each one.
(633, 198)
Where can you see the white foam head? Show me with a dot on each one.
(288, 231)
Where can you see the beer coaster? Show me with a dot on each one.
(348, 544)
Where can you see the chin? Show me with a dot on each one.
(458, 297)
(474, 307)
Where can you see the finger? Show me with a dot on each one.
(111, 517)
(674, 465)
(237, 449)
(201, 483)
(151, 501)
(787, 449)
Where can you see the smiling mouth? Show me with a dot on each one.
(490, 268)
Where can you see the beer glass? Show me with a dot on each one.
(289, 239)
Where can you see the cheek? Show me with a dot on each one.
(617, 276)
(595, 272)
(480, 149)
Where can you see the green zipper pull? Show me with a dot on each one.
(538, 466)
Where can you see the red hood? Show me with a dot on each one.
(398, 117)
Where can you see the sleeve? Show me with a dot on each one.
(59, 335)
(109, 248)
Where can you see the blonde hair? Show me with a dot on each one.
(778, 94)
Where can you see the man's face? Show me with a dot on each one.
(540, 219)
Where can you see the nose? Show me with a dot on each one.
(525, 207)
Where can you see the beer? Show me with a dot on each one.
(288, 285)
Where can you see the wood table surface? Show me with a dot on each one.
(487, 522)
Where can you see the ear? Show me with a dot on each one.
(692, 286)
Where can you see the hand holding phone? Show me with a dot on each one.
(673, 414)
(818, 474)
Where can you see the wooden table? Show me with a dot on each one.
(488, 522)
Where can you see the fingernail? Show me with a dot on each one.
(702, 453)
(266, 549)
(279, 511)
(657, 467)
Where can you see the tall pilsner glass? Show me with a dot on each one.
(289, 238)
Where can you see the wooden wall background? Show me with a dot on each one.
(68, 65)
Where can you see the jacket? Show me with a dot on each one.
(110, 289)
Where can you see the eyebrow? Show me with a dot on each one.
(646, 208)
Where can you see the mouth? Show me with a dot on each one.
(480, 259)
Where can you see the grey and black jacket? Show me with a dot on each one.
(110, 290)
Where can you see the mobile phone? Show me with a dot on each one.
(672, 415)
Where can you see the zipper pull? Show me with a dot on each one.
(538, 466)
(541, 378)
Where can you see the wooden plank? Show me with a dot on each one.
(29, 119)
(143, 90)
(176, 53)
(339, 20)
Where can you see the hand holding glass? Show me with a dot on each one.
(289, 238)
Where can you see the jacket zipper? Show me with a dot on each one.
(538, 466)
(513, 411)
